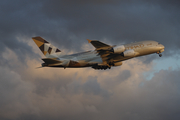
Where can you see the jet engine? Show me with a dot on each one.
(129, 53)
(118, 49)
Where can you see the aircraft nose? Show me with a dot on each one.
(162, 46)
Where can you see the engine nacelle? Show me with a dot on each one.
(118, 49)
(117, 64)
(129, 53)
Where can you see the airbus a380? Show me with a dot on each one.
(104, 56)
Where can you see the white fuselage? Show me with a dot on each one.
(91, 58)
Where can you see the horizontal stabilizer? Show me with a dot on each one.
(51, 60)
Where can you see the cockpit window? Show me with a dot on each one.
(158, 43)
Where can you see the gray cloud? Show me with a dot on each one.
(157, 98)
(15, 95)
(69, 23)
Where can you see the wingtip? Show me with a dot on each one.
(89, 41)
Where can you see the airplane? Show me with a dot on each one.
(103, 57)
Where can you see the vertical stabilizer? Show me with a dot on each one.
(46, 48)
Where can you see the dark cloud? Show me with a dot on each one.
(69, 23)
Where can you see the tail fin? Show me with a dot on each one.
(46, 48)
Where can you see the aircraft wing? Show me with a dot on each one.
(98, 45)
(104, 50)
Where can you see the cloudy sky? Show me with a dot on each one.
(145, 88)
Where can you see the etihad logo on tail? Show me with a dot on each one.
(46, 48)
